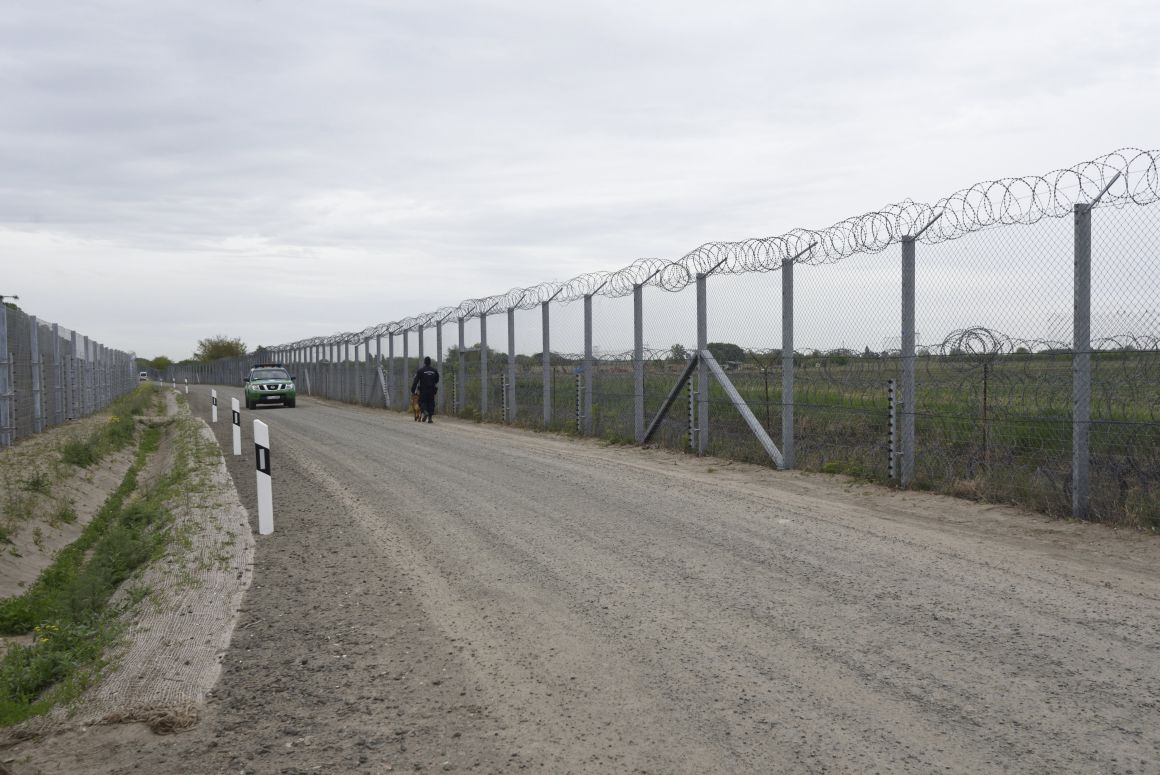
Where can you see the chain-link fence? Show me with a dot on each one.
(1002, 343)
(49, 374)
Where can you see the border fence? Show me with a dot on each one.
(49, 374)
(1002, 344)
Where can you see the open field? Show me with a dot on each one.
(997, 430)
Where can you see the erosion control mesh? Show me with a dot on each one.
(172, 651)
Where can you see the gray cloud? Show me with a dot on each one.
(352, 162)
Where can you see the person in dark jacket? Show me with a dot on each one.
(424, 384)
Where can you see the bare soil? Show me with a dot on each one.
(458, 597)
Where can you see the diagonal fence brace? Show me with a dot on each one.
(672, 396)
(743, 408)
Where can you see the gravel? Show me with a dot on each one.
(460, 597)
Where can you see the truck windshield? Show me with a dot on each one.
(269, 374)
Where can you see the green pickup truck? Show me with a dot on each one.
(270, 383)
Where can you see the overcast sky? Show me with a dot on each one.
(278, 170)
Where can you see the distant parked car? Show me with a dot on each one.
(143, 376)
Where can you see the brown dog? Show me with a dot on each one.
(415, 406)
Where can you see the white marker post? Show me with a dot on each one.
(213, 407)
(237, 426)
(187, 386)
(265, 482)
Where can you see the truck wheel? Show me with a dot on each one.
(290, 402)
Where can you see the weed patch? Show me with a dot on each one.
(116, 433)
(68, 609)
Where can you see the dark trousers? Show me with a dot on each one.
(427, 403)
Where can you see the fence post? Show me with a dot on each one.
(57, 378)
(345, 375)
(98, 397)
(546, 362)
(34, 367)
(693, 415)
(73, 389)
(379, 358)
(787, 375)
(702, 369)
(406, 386)
(891, 431)
(86, 380)
(392, 388)
(482, 365)
(98, 388)
(503, 383)
(368, 374)
(510, 387)
(439, 402)
(6, 387)
(589, 365)
(579, 401)
(102, 376)
(1081, 385)
(638, 362)
(907, 362)
(461, 381)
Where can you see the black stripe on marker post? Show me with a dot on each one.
(262, 459)
(237, 417)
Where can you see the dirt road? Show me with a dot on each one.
(456, 597)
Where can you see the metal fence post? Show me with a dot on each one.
(6, 383)
(368, 374)
(787, 375)
(74, 380)
(589, 364)
(579, 401)
(1081, 385)
(86, 379)
(346, 375)
(57, 378)
(702, 369)
(510, 387)
(461, 364)
(546, 363)
(406, 386)
(483, 365)
(638, 363)
(907, 362)
(439, 403)
(34, 367)
(392, 388)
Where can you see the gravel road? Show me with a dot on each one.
(457, 597)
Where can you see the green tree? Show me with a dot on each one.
(161, 362)
(678, 353)
(220, 346)
(724, 351)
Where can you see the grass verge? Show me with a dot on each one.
(68, 611)
(115, 434)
